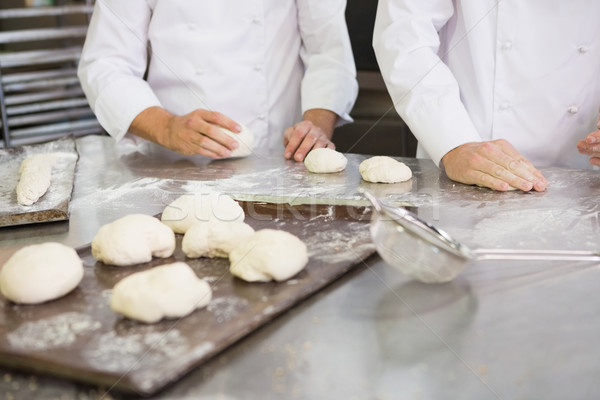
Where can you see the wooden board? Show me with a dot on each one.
(79, 337)
(52, 206)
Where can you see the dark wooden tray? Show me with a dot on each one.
(80, 338)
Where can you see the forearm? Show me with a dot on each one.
(152, 124)
(324, 119)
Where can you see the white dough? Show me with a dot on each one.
(245, 139)
(383, 169)
(35, 178)
(40, 272)
(133, 239)
(325, 161)
(167, 291)
(182, 213)
(268, 255)
(214, 238)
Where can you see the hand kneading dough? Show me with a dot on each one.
(188, 209)
(268, 255)
(36, 173)
(40, 272)
(324, 161)
(133, 239)
(245, 139)
(168, 291)
(382, 169)
(214, 238)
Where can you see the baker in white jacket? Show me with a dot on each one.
(491, 88)
(172, 71)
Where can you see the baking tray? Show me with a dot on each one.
(54, 204)
(80, 338)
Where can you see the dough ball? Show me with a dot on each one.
(133, 239)
(382, 169)
(188, 209)
(245, 139)
(325, 161)
(168, 291)
(214, 238)
(268, 255)
(40, 272)
(35, 178)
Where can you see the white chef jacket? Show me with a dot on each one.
(460, 71)
(262, 63)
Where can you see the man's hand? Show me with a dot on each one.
(313, 132)
(495, 164)
(194, 133)
(590, 146)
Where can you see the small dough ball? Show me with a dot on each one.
(268, 255)
(168, 291)
(190, 208)
(383, 169)
(40, 272)
(133, 239)
(245, 139)
(214, 238)
(35, 178)
(325, 161)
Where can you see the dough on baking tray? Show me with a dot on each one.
(325, 161)
(214, 238)
(40, 272)
(383, 169)
(35, 177)
(182, 213)
(133, 239)
(245, 139)
(167, 291)
(268, 255)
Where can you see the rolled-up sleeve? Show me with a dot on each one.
(424, 91)
(330, 74)
(113, 63)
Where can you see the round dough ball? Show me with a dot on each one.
(133, 239)
(40, 272)
(168, 291)
(325, 161)
(268, 255)
(245, 139)
(383, 169)
(190, 208)
(214, 238)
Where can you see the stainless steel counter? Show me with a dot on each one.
(501, 330)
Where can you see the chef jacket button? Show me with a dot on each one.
(573, 109)
(583, 49)
(191, 26)
(507, 45)
(262, 117)
(258, 67)
(199, 71)
(256, 20)
(504, 106)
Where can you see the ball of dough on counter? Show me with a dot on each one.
(133, 239)
(190, 208)
(383, 169)
(214, 238)
(167, 291)
(268, 255)
(325, 161)
(40, 272)
(35, 178)
(245, 140)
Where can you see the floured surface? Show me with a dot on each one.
(54, 204)
(79, 337)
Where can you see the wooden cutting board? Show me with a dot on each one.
(80, 338)
(52, 206)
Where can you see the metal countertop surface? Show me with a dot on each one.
(501, 330)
